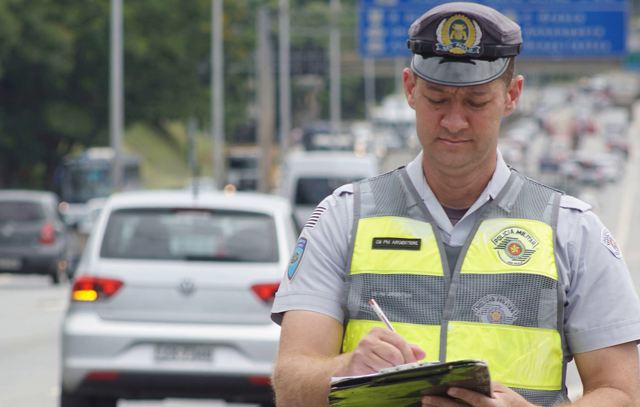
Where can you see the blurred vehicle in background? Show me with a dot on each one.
(618, 144)
(242, 168)
(614, 125)
(201, 184)
(614, 120)
(592, 168)
(320, 136)
(513, 154)
(553, 155)
(518, 134)
(87, 175)
(522, 132)
(308, 177)
(327, 141)
(33, 237)
(84, 227)
(94, 206)
(172, 298)
(394, 122)
(622, 87)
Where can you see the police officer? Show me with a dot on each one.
(468, 258)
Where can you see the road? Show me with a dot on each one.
(31, 311)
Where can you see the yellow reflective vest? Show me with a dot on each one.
(502, 303)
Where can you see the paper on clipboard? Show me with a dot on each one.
(406, 384)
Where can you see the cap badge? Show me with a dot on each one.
(458, 35)
(515, 246)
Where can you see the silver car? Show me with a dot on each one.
(33, 237)
(172, 298)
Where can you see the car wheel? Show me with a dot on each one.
(74, 400)
(56, 276)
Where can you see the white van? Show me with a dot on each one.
(307, 177)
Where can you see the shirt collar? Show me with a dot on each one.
(498, 181)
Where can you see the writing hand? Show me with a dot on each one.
(381, 348)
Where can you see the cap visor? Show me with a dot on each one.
(458, 72)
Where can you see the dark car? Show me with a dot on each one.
(33, 238)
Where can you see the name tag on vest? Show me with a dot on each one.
(395, 243)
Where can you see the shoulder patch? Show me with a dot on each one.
(609, 242)
(296, 257)
(571, 202)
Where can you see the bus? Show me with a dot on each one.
(87, 175)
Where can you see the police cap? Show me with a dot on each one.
(462, 44)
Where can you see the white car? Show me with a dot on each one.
(94, 206)
(307, 177)
(172, 298)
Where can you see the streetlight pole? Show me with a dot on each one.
(334, 67)
(369, 86)
(266, 99)
(284, 70)
(217, 89)
(116, 110)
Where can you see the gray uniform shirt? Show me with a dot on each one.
(601, 305)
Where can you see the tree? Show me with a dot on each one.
(54, 72)
(51, 84)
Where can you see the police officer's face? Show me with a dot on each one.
(458, 127)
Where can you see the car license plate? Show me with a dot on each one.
(10, 263)
(183, 353)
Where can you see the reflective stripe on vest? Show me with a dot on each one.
(425, 260)
(500, 305)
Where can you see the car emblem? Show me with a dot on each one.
(186, 287)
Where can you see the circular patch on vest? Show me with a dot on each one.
(515, 245)
(495, 309)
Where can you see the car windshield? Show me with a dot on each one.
(188, 234)
(312, 190)
(20, 211)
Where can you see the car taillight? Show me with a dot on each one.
(105, 376)
(260, 380)
(88, 289)
(47, 234)
(266, 292)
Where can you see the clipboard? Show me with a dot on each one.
(404, 385)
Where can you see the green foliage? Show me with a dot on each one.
(54, 72)
(51, 94)
(166, 42)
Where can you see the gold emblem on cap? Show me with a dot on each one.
(459, 35)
